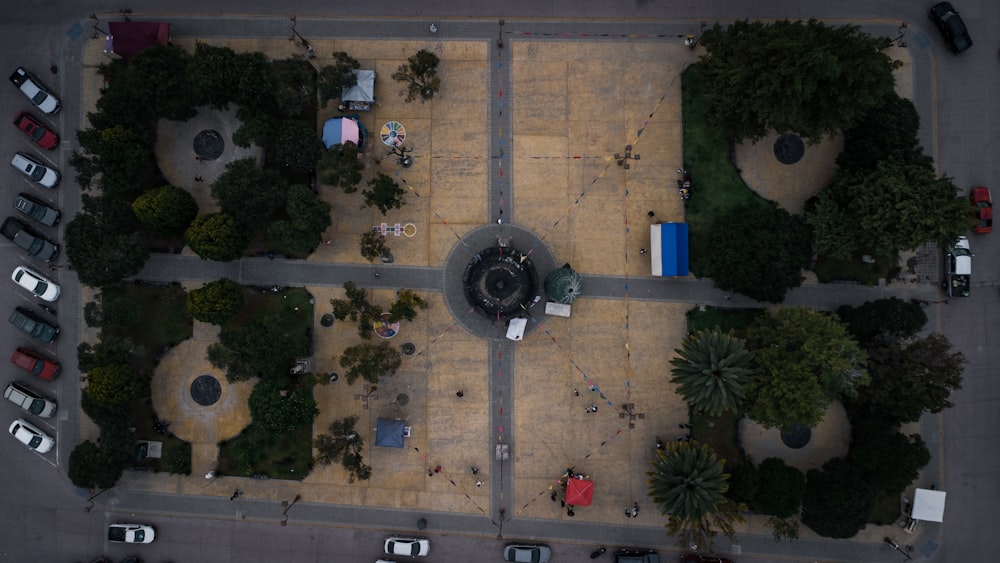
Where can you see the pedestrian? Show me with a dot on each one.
(460, 394)
(651, 215)
(329, 242)
(475, 471)
(270, 256)
(593, 387)
(437, 469)
(479, 482)
(377, 275)
(635, 510)
(576, 393)
(198, 158)
(198, 178)
(430, 472)
(236, 493)
(628, 513)
(569, 511)
(553, 496)
(642, 251)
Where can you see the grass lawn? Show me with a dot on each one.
(831, 269)
(176, 455)
(727, 320)
(720, 433)
(163, 321)
(291, 301)
(717, 185)
(257, 451)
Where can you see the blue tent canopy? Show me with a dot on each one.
(669, 249)
(389, 432)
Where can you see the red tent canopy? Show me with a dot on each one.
(128, 39)
(579, 492)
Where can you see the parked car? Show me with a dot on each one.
(692, 558)
(983, 203)
(123, 532)
(30, 241)
(29, 399)
(636, 556)
(36, 210)
(946, 18)
(43, 288)
(35, 170)
(32, 325)
(526, 553)
(33, 89)
(31, 436)
(413, 547)
(33, 128)
(35, 364)
(958, 269)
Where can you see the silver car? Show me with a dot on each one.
(28, 399)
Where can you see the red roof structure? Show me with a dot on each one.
(579, 492)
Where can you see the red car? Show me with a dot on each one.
(33, 362)
(34, 129)
(981, 199)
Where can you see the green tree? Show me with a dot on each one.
(167, 210)
(370, 362)
(122, 155)
(358, 308)
(100, 254)
(89, 467)
(800, 77)
(828, 216)
(119, 312)
(688, 483)
(890, 317)
(419, 76)
(406, 305)
(339, 167)
(887, 132)
(297, 146)
(308, 213)
(219, 75)
(157, 78)
(908, 378)
(373, 245)
(757, 251)
(294, 79)
(385, 193)
(889, 462)
(744, 481)
(281, 414)
(805, 359)
(265, 347)
(781, 489)
(110, 350)
(838, 500)
(711, 370)
(249, 192)
(216, 302)
(343, 444)
(334, 78)
(283, 236)
(115, 385)
(256, 129)
(216, 237)
(896, 207)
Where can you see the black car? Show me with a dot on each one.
(944, 15)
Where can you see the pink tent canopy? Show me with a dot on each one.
(579, 492)
(340, 130)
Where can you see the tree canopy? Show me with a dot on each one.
(296, 146)
(343, 444)
(248, 192)
(804, 360)
(216, 302)
(334, 78)
(265, 347)
(419, 76)
(889, 462)
(373, 245)
(281, 414)
(406, 305)
(385, 194)
(893, 207)
(90, 468)
(216, 237)
(890, 317)
(792, 76)
(758, 251)
(711, 370)
(780, 490)
(100, 254)
(370, 362)
(168, 209)
(339, 167)
(838, 500)
(910, 377)
(115, 385)
(887, 131)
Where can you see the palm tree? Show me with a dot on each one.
(711, 369)
(688, 483)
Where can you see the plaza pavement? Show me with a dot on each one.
(528, 131)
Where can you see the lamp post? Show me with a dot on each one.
(624, 158)
(286, 506)
(310, 53)
(500, 36)
(898, 40)
(895, 546)
(90, 499)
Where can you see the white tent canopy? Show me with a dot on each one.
(928, 505)
(515, 330)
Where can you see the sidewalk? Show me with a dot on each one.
(550, 171)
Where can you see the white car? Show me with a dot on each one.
(33, 89)
(124, 532)
(29, 399)
(412, 547)
(38, 172)
(36, 283)
(31, 436)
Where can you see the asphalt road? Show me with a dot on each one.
(44, 516)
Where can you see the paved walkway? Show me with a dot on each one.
(565, 125)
